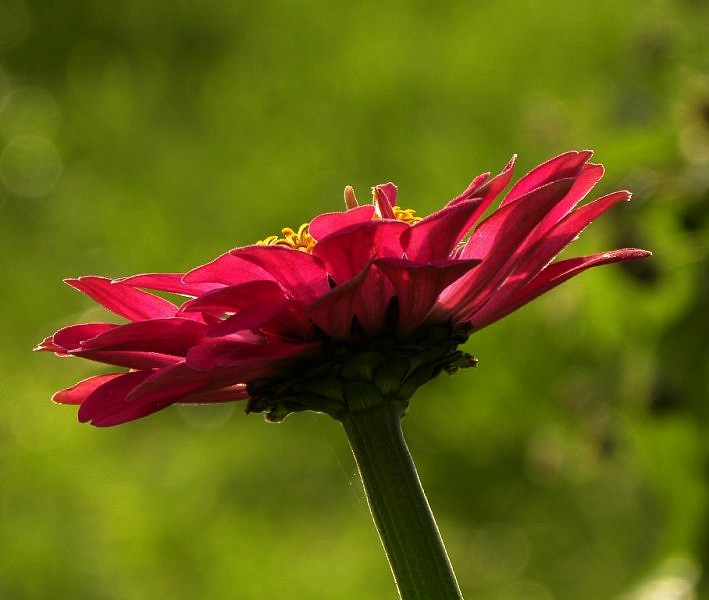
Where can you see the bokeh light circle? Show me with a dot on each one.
(30, 165)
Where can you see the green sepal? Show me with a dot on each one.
(349, 378)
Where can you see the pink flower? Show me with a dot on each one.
(370, 302)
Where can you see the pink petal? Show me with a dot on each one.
(490, 190)
(545, 250)
(70, 338)
(560, 167)
(347, 252)
(105, 405)
(181, 381)
(176, 382)
(48, 345)
(166, 282)
(333, 312)
(435, 237)
(473, 187)
(131, 359)
(418, 286)
(227, 269)
(124, 300)
(173, 336)
(224, 394)
(372, 302)
(497, 242)
(249, 361)
(129, 411)
(144, 392)
(300, 273)
(556, 274)
(256, 304)
(285, 322)
(587, 178)
(78, 392)
(492, 236)
(385, 197)
(234, 298)
(329, 223)
(252, 316)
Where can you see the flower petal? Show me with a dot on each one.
(132, 359)
(418, 286)
(300, 273)
(164, 336)
(371, 304)
(473, 187)
(496, 242)
(256, 304)
(122, 299)
(70, 338)
(249, 361)
(253, 303)
(385, 197)
(556, 274)
(487, 190)
(588, 177)
(140, 393)
(107, 404)
(347, 252)
(329, 223)
(434, 237)
(560, 167)
(78, 392)
(179, 381)
(234, 298)
(223, 394)
(537, 256)
(226, 269)
(333, 312)
(166, 282)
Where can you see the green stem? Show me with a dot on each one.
(401, 512)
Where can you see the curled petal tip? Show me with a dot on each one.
(628, 253)
(510, 164)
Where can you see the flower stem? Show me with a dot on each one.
(398, 504)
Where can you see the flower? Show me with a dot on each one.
(355, 307)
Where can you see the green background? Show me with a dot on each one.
(151, 136)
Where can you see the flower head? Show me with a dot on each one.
(355, 307)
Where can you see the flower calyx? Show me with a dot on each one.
(351, 379)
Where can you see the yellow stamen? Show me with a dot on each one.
(298, 240)
(408, 215)
(302, 240)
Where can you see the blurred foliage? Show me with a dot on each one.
(152, 136)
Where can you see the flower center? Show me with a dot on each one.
(407, 215)
(302, 240)
(298, 240)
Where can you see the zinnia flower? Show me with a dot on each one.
(355, 307)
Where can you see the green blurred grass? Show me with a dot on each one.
(151, 136)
